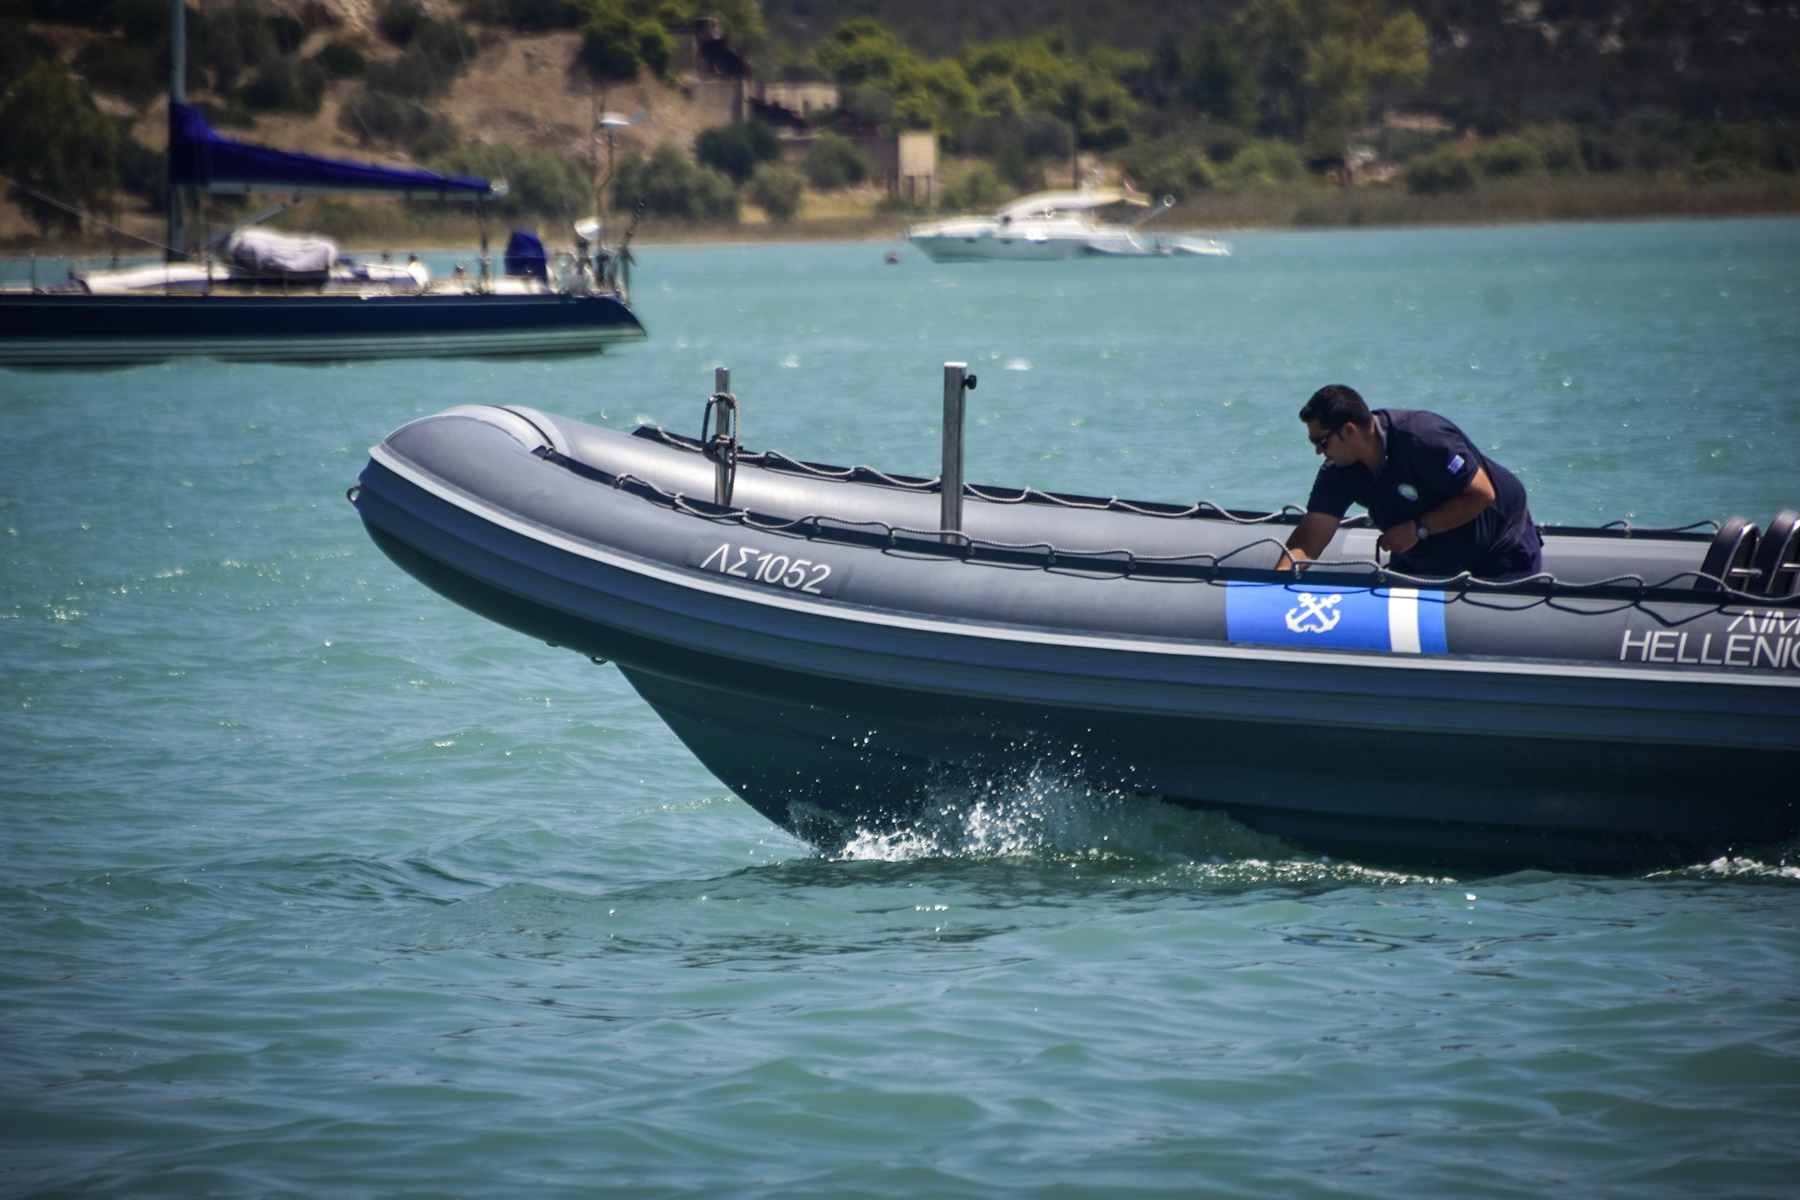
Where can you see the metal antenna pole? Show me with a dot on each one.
(177, 95)
(957, 380)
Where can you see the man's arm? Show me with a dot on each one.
(1309, 539)
(1458, 510)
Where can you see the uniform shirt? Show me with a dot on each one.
(1427, 461)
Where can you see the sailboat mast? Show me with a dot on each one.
(177, 199)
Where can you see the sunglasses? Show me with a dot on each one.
(1324, 439)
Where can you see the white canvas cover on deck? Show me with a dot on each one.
(264, 250)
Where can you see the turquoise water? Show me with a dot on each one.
(313, 884)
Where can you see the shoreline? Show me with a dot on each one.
(1527, 201)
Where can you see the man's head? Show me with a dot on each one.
(1338, 424)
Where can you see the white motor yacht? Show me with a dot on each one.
(1056, 225)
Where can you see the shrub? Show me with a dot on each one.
(737, 150)
(1533, 149)
(1039, 134)
(133, 71)
(229, 42)
(529, 15)
(1511, 155)
(540, 184)
(1178, 165)
(669, 185)
(1731, 151)
(833, 162)
(341, 61)
(617, 44)
(380, 117)
(1556, 146)
(776, 190)
(231, 114)
(436, 52)
(897, 203)
(399, 20)
(1263, 163)
(418, 76)
(20, 48)
(280, 85)
(1440, 171)
(975, 189)
(142, 169)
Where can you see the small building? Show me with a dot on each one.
(905, 163)
(801, 99)
(714, 76)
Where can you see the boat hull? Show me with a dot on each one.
(830, 715)
(44, 330)
(990, 248)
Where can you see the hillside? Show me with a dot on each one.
(518, 91)
(1254, 112)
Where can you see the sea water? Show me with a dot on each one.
(313, 884)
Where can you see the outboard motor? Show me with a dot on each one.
(525, 256)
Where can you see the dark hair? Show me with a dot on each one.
(1335, 406)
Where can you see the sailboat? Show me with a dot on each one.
(253, 294)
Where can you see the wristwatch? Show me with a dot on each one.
(1420, 530)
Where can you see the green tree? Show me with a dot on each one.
(1443, 170)
(776, 190)
(737, 150)
(619, 38)
(1046, 76)
(669, 185)
(540, 184)
(20, 47)
(1215, 80)
(833, 162)
(54, 141)
(741, 21)
(228, 42)
(975, 189)
(879, 73)
(1317, 63)
(382, 118)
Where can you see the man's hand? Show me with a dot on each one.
(1308, 541)
(1400, 538)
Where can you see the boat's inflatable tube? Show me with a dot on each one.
(837, 660)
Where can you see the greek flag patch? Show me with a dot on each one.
(1456, 463)
(1396, 620)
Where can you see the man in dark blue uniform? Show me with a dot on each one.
(1442, 506)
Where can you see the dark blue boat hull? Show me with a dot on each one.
(39, 329)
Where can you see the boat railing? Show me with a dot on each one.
(1698, 586)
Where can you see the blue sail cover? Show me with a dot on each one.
(199, 156)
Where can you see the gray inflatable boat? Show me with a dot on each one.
(835, 657)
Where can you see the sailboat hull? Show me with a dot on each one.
(47, 330)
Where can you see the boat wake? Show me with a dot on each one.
(1783, 863)
(1041, 812)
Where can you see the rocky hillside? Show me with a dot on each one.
(517, 90)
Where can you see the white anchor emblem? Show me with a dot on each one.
(1312, 614)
